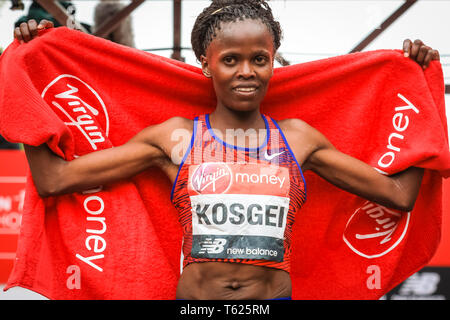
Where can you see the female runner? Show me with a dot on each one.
(236, 42)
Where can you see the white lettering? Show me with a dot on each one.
(397, 122)
(399, 125)
(202, 181)
(273, 179)
(102, 222)
(99, 136)
(88, 260)
(11, 220)
(179, 150)
(281, 181)
(235, 251)
(374, 280)
(95, 206)
(261, 178)
(83, 119)
(387, 154)
(389, 223)
(208, 311)
(74, 280)
(254, 178)
(94, 198)
(5, 203)
(96, 239)
(390, 146)
(261, 252)
(409, 105)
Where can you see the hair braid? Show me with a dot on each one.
(209, 21)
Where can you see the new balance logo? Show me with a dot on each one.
(420, 284)
(212, 246)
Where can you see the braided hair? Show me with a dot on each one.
(209, 21)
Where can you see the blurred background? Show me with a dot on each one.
(313, 29)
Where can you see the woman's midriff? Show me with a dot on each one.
(232, 281)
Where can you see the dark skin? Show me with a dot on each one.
(239, 61)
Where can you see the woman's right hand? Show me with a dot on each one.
(29, 30)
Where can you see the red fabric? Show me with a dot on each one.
(351, 99)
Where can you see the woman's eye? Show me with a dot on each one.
(228, 60)
(260, 59)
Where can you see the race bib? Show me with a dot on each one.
(239, 211)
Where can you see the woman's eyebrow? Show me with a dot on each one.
(237, 53)
(263, 52)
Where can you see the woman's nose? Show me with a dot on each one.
(246, 70)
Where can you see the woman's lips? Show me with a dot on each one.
(245, 91)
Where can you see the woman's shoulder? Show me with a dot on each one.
(170, 127)
(302, 136)
(296, 126)
(178, 123)
(163, 133)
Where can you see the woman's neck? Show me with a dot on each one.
(224, 118)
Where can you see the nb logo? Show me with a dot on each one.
(422, 284)
(212, 246)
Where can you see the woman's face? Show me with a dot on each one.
(240, 62)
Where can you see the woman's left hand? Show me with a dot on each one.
(419, 52)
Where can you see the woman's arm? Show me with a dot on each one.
(54, 176)
(398, 191)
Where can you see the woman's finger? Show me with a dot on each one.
(32, 26)
(431, 55)
(423, 51)
(427, 60)
(436, 55)
(25, 32)
(45, 24)
(407, 47)
(415, 49)
(18, 34)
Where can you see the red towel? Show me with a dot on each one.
(79, 93)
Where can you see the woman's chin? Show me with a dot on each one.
(244, 107)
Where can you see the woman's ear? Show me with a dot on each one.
(205, 67)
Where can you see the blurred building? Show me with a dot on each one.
(107, 9)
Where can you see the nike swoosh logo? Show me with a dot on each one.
(271, 156)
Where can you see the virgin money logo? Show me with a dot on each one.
(373, 230)
(211, 178)
(82, 109)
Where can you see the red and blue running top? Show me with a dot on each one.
(238, 204)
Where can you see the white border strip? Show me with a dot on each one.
(4, 231)
(7, 255)
(13, 179)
